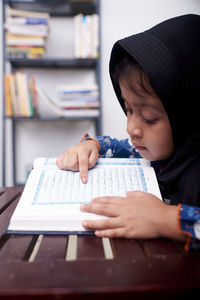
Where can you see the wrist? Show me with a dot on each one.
(93, 143)
(170, 224)
(86, 137)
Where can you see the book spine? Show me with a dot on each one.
(34, 94)
(24, 40)
(95, 36)
(31, 30)
(26, 21)
(13, 95)
(30, 95)
(77, 36)
(8, 100)
(12, 12)
(20, 88)
(86, 36)
(26, 95)
(24, 51)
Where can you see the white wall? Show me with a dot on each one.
(119, 18)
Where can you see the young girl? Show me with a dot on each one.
(155, 75)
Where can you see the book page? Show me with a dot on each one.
(110, 177)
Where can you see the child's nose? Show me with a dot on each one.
(134, 128)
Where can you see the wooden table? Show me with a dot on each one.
(71, 267)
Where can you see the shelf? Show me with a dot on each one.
(56, 7)
(52, 118)
(53, 63)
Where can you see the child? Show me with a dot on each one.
(155, 75)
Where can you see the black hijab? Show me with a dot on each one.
(169, 53)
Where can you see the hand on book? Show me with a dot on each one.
(140, 215)
(80, 157)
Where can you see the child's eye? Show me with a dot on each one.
(150, 121)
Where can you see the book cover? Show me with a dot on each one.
(51, 200)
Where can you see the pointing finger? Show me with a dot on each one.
(83, 167)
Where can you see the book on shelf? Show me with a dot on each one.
(50, 202)
(25, 31)
(24, 51)
(72, 91)
(32, 30)
(86, 36)
(24, 40)
(20, 95)
(77, 104)
(8, 101)
(27, 20)
(66, 111)
(78, 96)
(12, 12)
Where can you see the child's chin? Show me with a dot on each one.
(145, 155)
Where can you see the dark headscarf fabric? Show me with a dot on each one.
(169, 53)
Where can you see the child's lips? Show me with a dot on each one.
(139, 148)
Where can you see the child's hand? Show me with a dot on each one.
(140, 215)
(80, 157)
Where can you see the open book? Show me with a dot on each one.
(50, 202)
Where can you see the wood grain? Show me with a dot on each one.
(35, 267)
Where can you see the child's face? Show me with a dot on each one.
(147, 122)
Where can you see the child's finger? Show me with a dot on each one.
(102, 224)
(68, 161)
(109, 200)
(105, 209)
(92, 159)
(83, 166)
(111, 233)
(71, 162)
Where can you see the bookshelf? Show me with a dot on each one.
(53, 63)
(49, 63)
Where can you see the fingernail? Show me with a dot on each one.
(83, 207)
(85, 224)
(97, 232)
(84, 179)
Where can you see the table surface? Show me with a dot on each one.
(73, 267)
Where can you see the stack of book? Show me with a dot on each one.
(73, 101)
(86, 36)
(26, 33)
(78, 96)
(20, 95)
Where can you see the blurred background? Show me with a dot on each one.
(117, 19)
